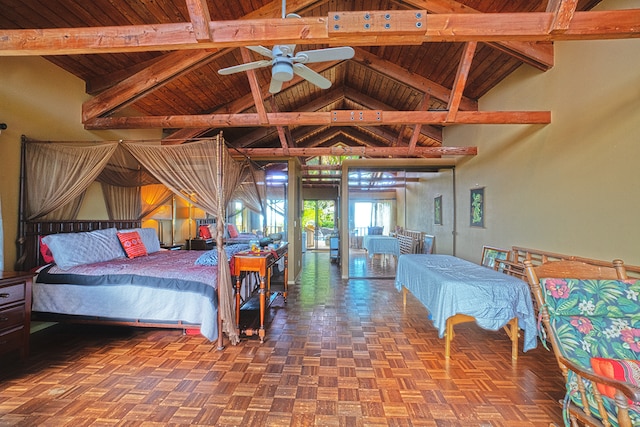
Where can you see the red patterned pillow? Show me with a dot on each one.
(204, 232)
(621, 370)
(233, 231)
(132, 244)
(47, 256)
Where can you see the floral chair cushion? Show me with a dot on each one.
(594, 319)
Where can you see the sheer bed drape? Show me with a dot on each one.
(202, 172)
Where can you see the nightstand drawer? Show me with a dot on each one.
(11, 294)
(12, 338)
(12, 317)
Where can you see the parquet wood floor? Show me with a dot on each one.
(339, 353)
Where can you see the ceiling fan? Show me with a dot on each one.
(284, 63)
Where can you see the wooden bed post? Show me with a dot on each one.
(21, 239)
(220, 230)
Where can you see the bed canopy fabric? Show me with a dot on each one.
(60, 172)
(202, 172)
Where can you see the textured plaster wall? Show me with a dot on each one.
(571, 186)
(44, 102)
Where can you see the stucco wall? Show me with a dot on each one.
(44, 102)
(571, 186)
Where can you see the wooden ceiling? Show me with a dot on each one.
(419, 65)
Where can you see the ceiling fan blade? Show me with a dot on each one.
(311, 76)
(245, 67)
(261, 50)
(275, 86)
(321, 55)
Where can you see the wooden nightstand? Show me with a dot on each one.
(172, 247)
(15, 311)
(200, 244)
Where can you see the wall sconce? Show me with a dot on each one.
(3, 126)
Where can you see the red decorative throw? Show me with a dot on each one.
(204, 232)
(233, 231)
(622, 370)
(132, 244)
(47, 256)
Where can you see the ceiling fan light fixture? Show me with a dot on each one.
(282, 71)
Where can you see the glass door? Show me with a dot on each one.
(318, 221)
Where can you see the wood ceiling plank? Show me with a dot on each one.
(431, 132)
(539, 55)
(132, 88)
(166, 69)
(486, 27)
(416, 81)
(244, 103)
(370, 118)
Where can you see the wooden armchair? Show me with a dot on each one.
(591, 316)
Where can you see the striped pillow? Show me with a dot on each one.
(132, 244)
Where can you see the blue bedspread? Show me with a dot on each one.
(164, 269)
(447, 286)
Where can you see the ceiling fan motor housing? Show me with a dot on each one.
(282, 69)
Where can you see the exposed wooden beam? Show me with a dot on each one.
(332, 118)
(416, 129)
(539, 55)
(431, 132)
(460, 27)
(332, 135)
(200, 18)
(563, 11)
(327, 97)
(168, 67)
(416, 81)
(255, 87)
(359, 151)
(142, 83)
(460, 81)
(245, 102)
(322, 167)
(283, 132)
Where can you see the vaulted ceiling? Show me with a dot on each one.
(418, 66)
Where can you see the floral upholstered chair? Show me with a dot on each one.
(591, 317)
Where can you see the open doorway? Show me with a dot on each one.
(318, 221)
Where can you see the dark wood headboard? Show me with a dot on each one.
(30, 256)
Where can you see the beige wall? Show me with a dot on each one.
(41, 101)
(571, 186)
(420, 209)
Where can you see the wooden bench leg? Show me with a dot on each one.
(449, 334)
(512, 331)
(405, 291)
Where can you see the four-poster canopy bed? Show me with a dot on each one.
(96, 274)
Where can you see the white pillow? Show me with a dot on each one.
(213, 229)
(71, 249)
(149, 238)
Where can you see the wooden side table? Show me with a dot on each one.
(261, 264)
(15, 311)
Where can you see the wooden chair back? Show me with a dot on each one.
(598, 411)
(407, 244)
